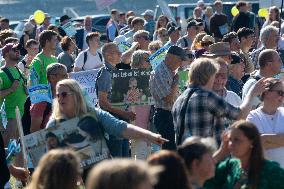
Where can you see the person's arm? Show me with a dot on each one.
(19, 172)
(223, 150)
(35, 124)
(79, 62)
(271, 141)
(126, 56)
(6, 92)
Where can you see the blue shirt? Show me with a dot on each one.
(150, 27)
(235, 85)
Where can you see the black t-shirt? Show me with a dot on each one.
(240, 21)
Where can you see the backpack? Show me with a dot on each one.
(86, 57)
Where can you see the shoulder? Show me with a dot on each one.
(51, 123)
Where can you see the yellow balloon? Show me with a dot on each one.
(234, 11)
(263, 12)
(39, 16)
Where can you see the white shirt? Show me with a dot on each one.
(93, 61)
(270, 124)
(232, 98)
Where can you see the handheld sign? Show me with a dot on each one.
(40, 93)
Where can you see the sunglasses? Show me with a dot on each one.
(279, 92)
(63, 94)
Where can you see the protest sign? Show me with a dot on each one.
(69, 29)
(159, 56)
(183, 80)
(131, 88)
(122, 44)
(40, 93)
(166, 10)
(87, 80)
(83, 135)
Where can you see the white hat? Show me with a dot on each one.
(200, 2)
(148, 12)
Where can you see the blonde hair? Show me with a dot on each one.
(201, 70)
(120, 174)
(56, 169)
(196, 44)
(81, 107)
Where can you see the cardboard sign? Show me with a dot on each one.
(87, 80)
(85, 136)
(131, 88)
(40, 93)
(183, 80)
(159, 56)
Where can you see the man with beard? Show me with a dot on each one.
(12, 89)
(47, 40)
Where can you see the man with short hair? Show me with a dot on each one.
(270, 65)
(246, 38)
(136, 24)
(112, 57)
(90, 58)
(82, 33)
(173, 33)
(143, 38)
(47, 40)
(150, 23)
(269, 38)
(164, 89)
(233, 40)
(4, 24)
(12, 89)
(197, 110)
(112, 25)
(192, 30)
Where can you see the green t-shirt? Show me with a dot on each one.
(38, 69)
(16, 98)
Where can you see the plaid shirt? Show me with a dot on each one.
(254, 56)
(161, 82)
(205, 113)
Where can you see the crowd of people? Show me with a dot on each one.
(223, 131)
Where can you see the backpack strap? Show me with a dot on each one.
(185, 42)
(21, 75)
(101, 56)
(85, 59)
(8, 73)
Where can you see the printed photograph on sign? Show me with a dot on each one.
(131, 88)
(183, 80)
(83, 135)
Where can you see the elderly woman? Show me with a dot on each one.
(269, 120)
(70, 103)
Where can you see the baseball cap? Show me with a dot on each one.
(171, 27)
(63, 18)
(236, 59)
(148, 12)
(178, 51)
(8, 47)
(193, 23)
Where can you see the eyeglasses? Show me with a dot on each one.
(63, 94)
(279, 92)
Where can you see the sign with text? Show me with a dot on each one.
(159, 56)
(131, 88)
(74, 134)
(40, 93)
(87, 80)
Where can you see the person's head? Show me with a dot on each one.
(154, 46)
(245, 144)
(198, 157)
(111, 53)
(11, 53)
(4, 23)
(274, 14)
(11, 40)
(88, 23)
(52, 141)
(270, 62)
(53, 28)
(64, 19)
(137, 24)
(220, 50)
(206, 41)
(173, 31)
(56, 72)
(148, 15)
(201, 4)
(93, 40)
(242, 6)
(197, 12)
(246, 37)
(162, 22)
(69, 101)
(192, 28)
(32, 47)
(142, 37)
(202, 72)
(121, 174)
(237, 66)
(4, 34)
(174, 173)
(56, 169)
(140, 59)
(28, 28)
(208, 11)
(129, 20)
(129, 13)
(196, 44)
(221, 76)
(273, 96)
(218, 6)
(233, 39)
(67, 44)
(114, 13)
(162, 35)
(175, 57)
(48, 40)
(269, 37)
(122, 18)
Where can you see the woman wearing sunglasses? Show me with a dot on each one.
(269, 120)
(70, 103)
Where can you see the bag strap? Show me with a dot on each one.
(21, 75)
(85, 59)
(8, 73)
(182, 114)
(185, 42)
(101, 56)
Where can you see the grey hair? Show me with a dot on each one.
(140, 33)
(265, 32)
(53, 69)
(137, 58)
